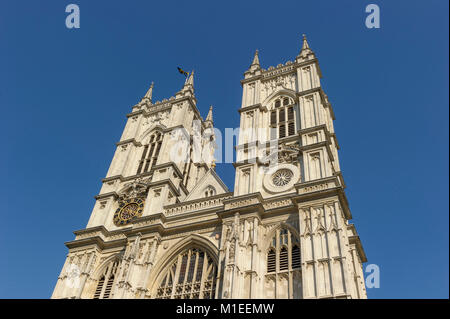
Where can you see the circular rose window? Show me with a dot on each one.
(283, 179)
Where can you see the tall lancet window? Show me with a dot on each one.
(191, 276)
(282, 118)
(283, 271)
(150, 153)
(105, 283)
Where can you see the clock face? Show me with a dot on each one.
(128, 210)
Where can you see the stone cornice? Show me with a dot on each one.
(106, 195)
(310, 91)
(251, 79)
(278, 203)
(333, 135)
(96, 241)
(248, 203)
(198, 200)
(266, 143)
(252, 107)
(130, 140)
(254, 160)
(355, 240)
(128, 178)
(322, 188)
(303, 148)
(169, 164)
(166, 181)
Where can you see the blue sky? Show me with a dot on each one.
(64, 95)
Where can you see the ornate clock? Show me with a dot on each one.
(128, 210)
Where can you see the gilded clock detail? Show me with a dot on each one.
(128, 210)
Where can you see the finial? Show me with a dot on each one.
(209, 117)
(256, 58)
(305, 50)
(305, 43)
(149, 93)
(213, 164)
(190, 79)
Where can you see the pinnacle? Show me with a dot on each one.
(209, 117)
(256, 58)
(149, 93)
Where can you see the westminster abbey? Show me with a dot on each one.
(167, 227)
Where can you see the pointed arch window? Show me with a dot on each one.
(282, 118)
(105, 283)
(150, 153)
(283, 253)
(191, 276)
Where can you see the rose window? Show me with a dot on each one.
(282, 177)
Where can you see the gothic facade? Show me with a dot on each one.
(170, 228)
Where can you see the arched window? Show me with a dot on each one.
(150, 153)
(282, 119)
(210, 191)
(106, 282)
(284, 252)
(191, 276)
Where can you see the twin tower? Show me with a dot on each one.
(166, 226)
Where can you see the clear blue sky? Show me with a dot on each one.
(64, 95)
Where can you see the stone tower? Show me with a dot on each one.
(164, 225)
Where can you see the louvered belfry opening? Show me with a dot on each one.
(192, 275)
(283, 254)
(99, 288)
(282, 118)
(105, 284)
(271, 260)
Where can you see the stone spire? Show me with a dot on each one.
(190, 80)
(255, 68)
(256, 59)
(305, 43)
(148, 96)
(149, 93)
(209, 117)
(188, 87)
(306, 50)
(255, 64)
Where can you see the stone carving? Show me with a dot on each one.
(136, 188)
(288, 153)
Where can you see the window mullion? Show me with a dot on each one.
(177, 274)
(186, 273)
(194, 277)
(203, 279)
